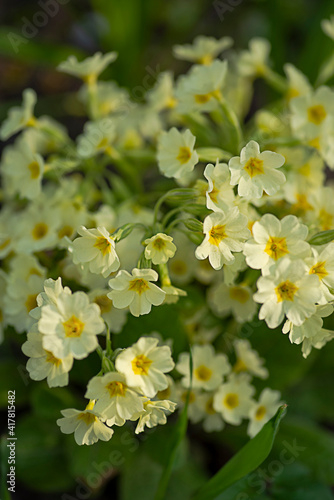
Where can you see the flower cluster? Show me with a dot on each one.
(223, 394)
(177, 209)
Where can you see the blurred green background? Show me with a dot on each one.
(143, 33)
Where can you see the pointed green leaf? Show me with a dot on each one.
(245, 461)
(322, 238)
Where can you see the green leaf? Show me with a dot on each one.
(243, 462)
(313, 447)
(322, 238)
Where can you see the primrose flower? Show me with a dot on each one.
(288, 290)
(224, 233)
(253, 62)
(20, 117)
(96, 248)
(255, 172)
(43, 364)
(116, 401)
(71, 327)
(220, 192)
(248, 360)
(98, 137)
(144, 365)
(208, 367)
(203, 50)
(311, 332)
(263, 410)
(201, 89)
(322, 265)
(235, 299)
(86, 425)
(176, 155)
(136, 291)
(212, 420)
(161, 96)
(311, 112)
(233, 399)
(298, 84)
(37, 229)
(153, 414)
(23, 171)
(20, 299)
(160, 248)
(274, 239)
(88, 69)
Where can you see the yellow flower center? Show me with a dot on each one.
(34, 170)
(206, 59)
(159, 243)
(204, 98)
(214, 193)
(39, 231)
(302, 205)
(31, 122)
(314, 143)
(260, 412)
(87, 417)
(217, 234)
(305, 170)
(254, 167)
(141, 365)
(65, 231)
(103, 143)
(316, 114)
(5, 243)
(104, 303)
(171, 102)
(31, 302)
(203, 373)
(239, 294)
(320, 270)
(50, 358)
(276, 247)
(103, 245)
(240, 366)
(291, 93)
(138, 285)
(73, 327)
(325, 219)
(285, 291)
(231, 401)
(184, 155)
(116, 389)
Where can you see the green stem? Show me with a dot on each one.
(108, 341)
(275, 80)
(170, 214)
(233, 120)
(92, 100)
